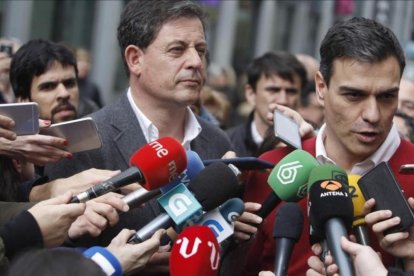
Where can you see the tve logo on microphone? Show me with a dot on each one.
(181, 205)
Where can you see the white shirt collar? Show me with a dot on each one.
(384, 152)
(191, 130)
(257, 138)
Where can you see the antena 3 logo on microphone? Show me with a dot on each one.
(181, 206)
(332, 188)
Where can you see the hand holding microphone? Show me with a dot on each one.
(153, 165)
(211, 187)
(330, 211)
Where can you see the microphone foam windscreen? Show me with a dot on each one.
(214, 185)
(289, 177)
(327, 172)
(329, 198)
(358, 200)
(194, 166)
(160, 162)
(232, 209)
(288, 222)
(195, 252)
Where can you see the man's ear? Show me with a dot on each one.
(17, 165)
(320, 88)
(133, 57)
(250, 95)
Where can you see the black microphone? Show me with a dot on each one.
(287, 231)
(331, 211)
(211, 187)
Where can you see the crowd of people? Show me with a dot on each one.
(354, 109)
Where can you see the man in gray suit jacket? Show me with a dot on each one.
(164, 51)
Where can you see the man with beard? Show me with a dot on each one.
(46, 73)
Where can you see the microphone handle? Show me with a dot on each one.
(163, 221)
(335, 229)
(140, 196)
(268, 205)
(131, 175)
(361, 233)
(284, 247)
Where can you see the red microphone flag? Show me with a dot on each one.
(160, 162)
(195, 252)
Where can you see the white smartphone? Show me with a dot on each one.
(25, 116)
(287, 130)
(81, 134)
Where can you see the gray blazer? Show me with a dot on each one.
(121, 136)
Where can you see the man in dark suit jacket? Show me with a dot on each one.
(164, 52)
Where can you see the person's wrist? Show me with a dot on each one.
(40, 192)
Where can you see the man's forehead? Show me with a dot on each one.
(57, 70)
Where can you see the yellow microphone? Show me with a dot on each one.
(358, 200)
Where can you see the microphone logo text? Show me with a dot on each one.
(161, 151)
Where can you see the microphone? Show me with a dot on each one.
(153, 165)
(358, 200)
(140, 196)
(287, 231)
(211, 187)
(220, 220)
(330, 211)
(195, 252)
(288, 180)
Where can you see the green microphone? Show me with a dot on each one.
(327, 172)
(288, 180)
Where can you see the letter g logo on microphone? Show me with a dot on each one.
(287, 172)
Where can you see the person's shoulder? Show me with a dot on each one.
(236, 130)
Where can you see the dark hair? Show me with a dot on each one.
(308, 90)
(141, 20)
(9, 180)
(33, 59)
(409, 122)
(51, 262)
(362, 39)
(282, 64)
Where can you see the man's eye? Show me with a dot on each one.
(353, 96)
(201, 52)
(69, 83)
(47, 86)
(177, 50)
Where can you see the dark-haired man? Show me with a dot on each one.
(275, 77)
(357, 84)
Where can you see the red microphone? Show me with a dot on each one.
(155, 164)
(195, 252)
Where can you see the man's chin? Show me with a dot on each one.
(64, 118)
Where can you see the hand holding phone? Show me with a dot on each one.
(287, 130)
(379, 183)
(25, 116)
(81, 134)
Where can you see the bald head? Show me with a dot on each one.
(406, 97)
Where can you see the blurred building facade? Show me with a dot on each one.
(238, 31)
